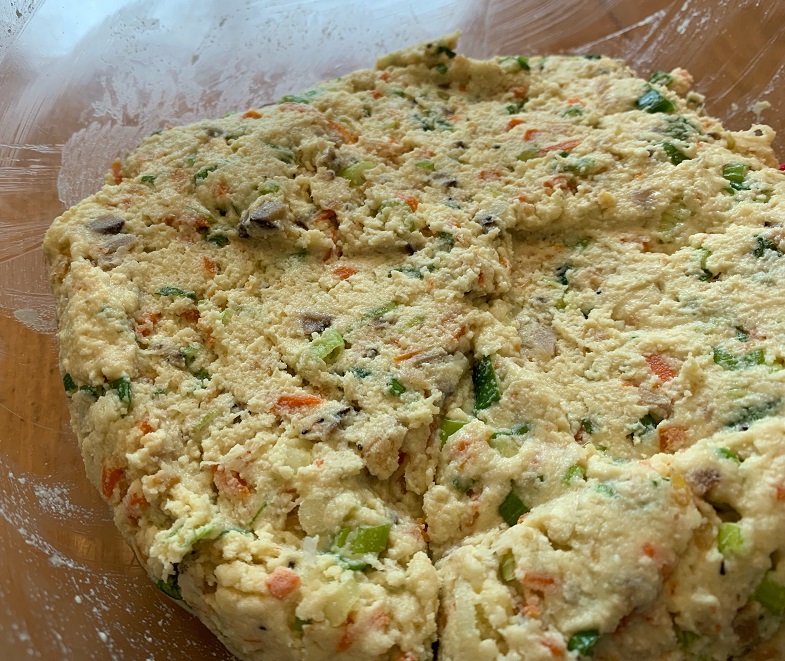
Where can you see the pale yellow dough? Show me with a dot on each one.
(487, 353)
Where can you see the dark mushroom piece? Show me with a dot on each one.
(257, 221)
(106, 225)
(315, 322)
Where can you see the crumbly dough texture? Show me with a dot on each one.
(487, 353)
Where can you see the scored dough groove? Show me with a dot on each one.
(479, 351)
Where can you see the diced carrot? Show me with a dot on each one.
(672, 438)
(406, 356)
(648, 550)
(555, 647)
(660, 367)
(343, 271)
(520, 92)
(537, 582)
(110, 477)
(324, 214)
(560, 182)
(347, 635)
(282, 582)
(780, 491)
(384, 75)
(209, 265)
(410, 200)
(135, 503)
(489, 175)
(147, 325)
(379, 620)
(117, 167)
(563, 146)
(144, 425)
(295, 401)
(530, 134)
(515, 121)
(348, 136)
(230, 482)
(531, 607)
(574, 100)
(251, 114)
(191, 315)
(375, 94)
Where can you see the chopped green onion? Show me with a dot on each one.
(770, 594)
(572, 111)
(686, 639)
(587, 426)
(176, 292)
(360, 372)
(201, 175)
(358, 541)
(583, 642)
(674, 154)
(749, 414)
(486, 384)
(763, 244)
(425, 165)
(219, 240)
(395, 387)
(735, 174)
(448, 238)
(68, 383)
(205, 420)
(529, 153)
(448, 427)
(463, 484)
(515, 63)
(505, 445)
(728, 361)
(328, 346)
(648, 423)
(730, 540)
(282, 153)
(355, 173)
(382, 310)
(652, 101)
(512, 508)
(123, 388)
(515, 108)
(268, 186)
(444, 49)
(148, 179)
(441, 68)
(727, 453)
(574, 472)
(592, 56)
(170, 587)
(661, 78)
(606, 489)
(507, 567)
(298, 624)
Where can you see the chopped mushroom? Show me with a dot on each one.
(106, 225)
(256, 221)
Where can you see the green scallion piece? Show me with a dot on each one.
(770, 594)
(355, 173)
(674, 154)
(448, 427)
(175, 292)
(327, 346)
(395, 387)
(574, 472)
(507, 567)
(512, 508)
(486, 384)
(583, 642)
(652, 101)
(730, 539)
(727, 453)
(123, 388)
(68, 383)
(170, 588)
